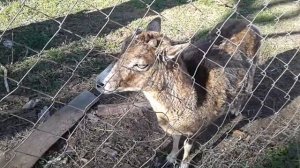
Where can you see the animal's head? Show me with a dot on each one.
(143, 58)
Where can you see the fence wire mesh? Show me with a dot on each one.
(52, 50)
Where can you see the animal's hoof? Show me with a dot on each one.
(171, 164)
(171, 159)
(184, 165)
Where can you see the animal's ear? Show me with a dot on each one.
(154, 25)
(128, 40)
(172, 52)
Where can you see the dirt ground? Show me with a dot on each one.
(270, 120)
(133, 139)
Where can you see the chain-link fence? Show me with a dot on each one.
(53, 50)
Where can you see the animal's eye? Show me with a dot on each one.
(141, 67)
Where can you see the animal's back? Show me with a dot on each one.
(224, 67)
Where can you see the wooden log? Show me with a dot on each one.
(46, 134)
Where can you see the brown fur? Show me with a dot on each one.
(188, 85)
(185, 105)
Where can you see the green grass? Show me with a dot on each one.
(33, 27)
(283, 157)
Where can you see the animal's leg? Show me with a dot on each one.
(187, 146)
(171, 158)
(236, 106)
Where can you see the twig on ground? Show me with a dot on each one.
(5, 77)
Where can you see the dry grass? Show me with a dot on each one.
(132, 139)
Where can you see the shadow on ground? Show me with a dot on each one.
(77, 26)
(84, 24)
(48, 76)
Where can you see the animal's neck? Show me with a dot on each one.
(175, 93)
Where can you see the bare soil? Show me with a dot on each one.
(271, 118)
